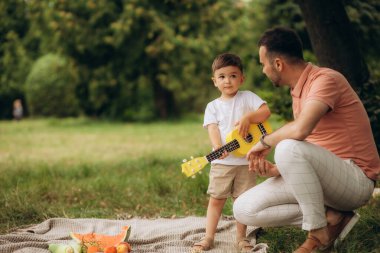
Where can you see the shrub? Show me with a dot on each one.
(279, 102)
(50, 87)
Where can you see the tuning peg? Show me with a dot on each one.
(184, 160)
(200, 172)
(193, 176)
(191, 157)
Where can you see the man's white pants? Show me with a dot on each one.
(311, 178)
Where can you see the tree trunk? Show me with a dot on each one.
(164, 101)
(335, 46)
(163, 98)
(333, 39)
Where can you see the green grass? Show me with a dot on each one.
(79, 168)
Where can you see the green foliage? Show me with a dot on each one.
(50, 87)
(143, 60)
(280, 102)
(365, 19)
(370, 95)
(140, 60)
(14, 61)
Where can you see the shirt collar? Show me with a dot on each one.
(296, 91)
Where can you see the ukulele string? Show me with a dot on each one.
(262, 129)
(233, 145)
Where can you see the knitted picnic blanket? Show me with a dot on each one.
(147, 235)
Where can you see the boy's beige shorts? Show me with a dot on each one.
(230, 180)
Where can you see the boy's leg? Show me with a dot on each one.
(242, 243)
(244, 180)
(241, 231)
(219, 189)
(214, 210)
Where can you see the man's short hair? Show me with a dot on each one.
(282, 41)
(226, 59)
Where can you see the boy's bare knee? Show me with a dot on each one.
(214, 202)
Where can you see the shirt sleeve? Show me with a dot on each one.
(210, 115)
(254, 101)
(325, 89)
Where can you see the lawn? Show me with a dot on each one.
(81, 168)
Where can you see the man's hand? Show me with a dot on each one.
(257, 163)
(258, 150)
(263, 167)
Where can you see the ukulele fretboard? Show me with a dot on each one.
(262, 129)
(229, 147)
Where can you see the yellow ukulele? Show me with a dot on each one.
(236, 145)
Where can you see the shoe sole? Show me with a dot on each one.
(346, 229)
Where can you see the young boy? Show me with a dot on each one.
(229, 175)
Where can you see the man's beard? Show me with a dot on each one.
(275, 84)
(276, 77)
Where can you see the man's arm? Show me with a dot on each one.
(298, 129)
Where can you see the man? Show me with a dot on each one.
(326, 159)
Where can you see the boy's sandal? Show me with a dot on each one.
(244, 245)
(204, 244)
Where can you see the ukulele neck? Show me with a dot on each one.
(229, 147)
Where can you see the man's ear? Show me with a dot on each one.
(278, 64)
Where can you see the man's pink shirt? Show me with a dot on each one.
(345, 130)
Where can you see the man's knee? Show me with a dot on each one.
(242, 211)
(239, 213)
(287, 149)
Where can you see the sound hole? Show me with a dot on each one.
(249, 138)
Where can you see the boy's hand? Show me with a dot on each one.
(224, 154)
(243, 126)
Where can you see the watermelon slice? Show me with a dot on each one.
(102, 241)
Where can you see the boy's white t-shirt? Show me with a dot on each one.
(225, 113)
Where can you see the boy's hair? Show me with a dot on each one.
(282, 41)
(226, 59)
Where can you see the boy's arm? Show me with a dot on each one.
(253, 117)
(214, 135)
